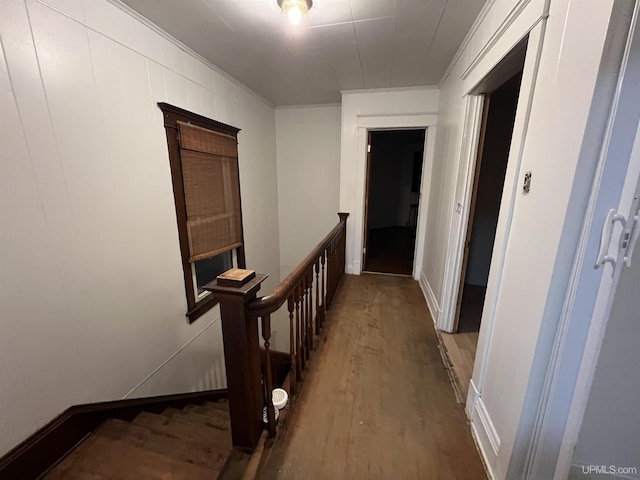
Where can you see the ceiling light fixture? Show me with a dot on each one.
(295, 9)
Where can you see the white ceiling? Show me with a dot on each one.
(339, 45)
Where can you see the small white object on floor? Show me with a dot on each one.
(279, 397)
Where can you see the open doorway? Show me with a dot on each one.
(494, 143)
(394, 172)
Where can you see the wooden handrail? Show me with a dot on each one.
(272, 302)
(250, 387)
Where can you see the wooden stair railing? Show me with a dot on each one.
(308, 292)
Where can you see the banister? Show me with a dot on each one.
(250, 386)
(272, 302)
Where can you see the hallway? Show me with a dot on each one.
(376, 402)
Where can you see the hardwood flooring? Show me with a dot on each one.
(461, 347)
(376, 402)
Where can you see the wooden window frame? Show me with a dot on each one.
(172, 114)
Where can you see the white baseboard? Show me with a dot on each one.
(472, 397)
(356, 268)
(348, 269)
(483, 431)
(432, 301)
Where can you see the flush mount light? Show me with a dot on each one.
(295, 9)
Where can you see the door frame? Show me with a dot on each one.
(394, 122)
(447, 320)
(365, 241)
(472, 207)
(365, 233)
(482, 429)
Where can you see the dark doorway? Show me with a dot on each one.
(493, 154)
(394, 171)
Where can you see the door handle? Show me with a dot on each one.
(605, 238)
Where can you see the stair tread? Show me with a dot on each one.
(182, 429)
(204, 453)
(77, 473)
(208, 411)
(221, 405)
(100, 457)
(235, 466)
(197, 418)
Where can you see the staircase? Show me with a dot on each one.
(192, 443)
(189, 435)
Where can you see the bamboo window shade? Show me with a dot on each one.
(212, 191)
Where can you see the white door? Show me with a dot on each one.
(604, 249)
(603, 434)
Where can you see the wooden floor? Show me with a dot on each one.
(461, 346)
(376, 402)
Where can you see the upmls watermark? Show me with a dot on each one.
(608, 470)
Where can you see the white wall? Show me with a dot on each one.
(610, 432)
(530, 228)
(361, 110)
(92, 301)
(308, 146)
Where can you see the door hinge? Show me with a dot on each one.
(626, 244)
(629, 238)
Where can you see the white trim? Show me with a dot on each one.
(486, 8)
(430, 297)
(459, 222)
(149, 24)
(483, 431)
(512, 177)
(466, 169)
(381, 122)
(311, 105)
(355, 268)
(472, 397)
(487, 425)
(498, 33)
(390, 89)
(425, 192)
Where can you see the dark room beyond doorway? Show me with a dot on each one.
(394, 171)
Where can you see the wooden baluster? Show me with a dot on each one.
(298, 335)
(268, 380)
(343, 241)
(334, 265)
(292, 346)
(330, 274)
(309, 314)
(303, 323)
(310, 295)
(343, 238)
(305, 345)
(324, 292)
(318, 324)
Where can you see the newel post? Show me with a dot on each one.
(242, 360)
